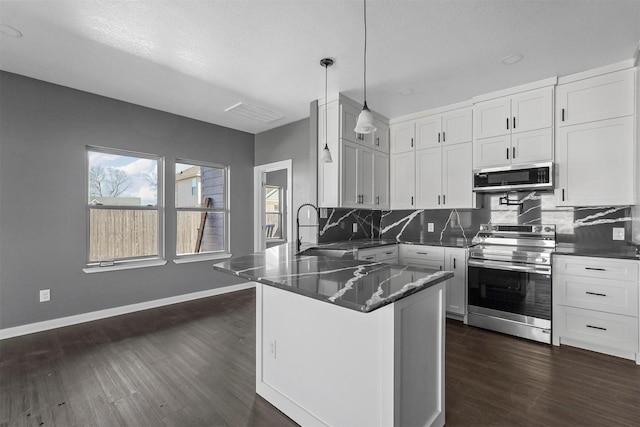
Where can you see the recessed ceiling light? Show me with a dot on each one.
(512, 59)
(406, 92)
(8, 30)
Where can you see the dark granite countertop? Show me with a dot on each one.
(622, 252)
(372, 243)
(357, 285)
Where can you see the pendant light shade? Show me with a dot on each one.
(365, 123)
(326, 153)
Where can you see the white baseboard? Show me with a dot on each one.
(117, 311)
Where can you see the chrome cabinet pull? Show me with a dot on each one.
(596, 294)
(597, 327)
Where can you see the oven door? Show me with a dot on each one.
(518, 292)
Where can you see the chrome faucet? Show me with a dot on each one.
(317, 224)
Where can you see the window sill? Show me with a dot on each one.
(203, 257)
(126, 266)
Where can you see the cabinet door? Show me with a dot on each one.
(532, 110)
(533, 146)
(490, 118)
(456, 261)
(348, 119)
(366, 181)
(381, 137)
(402, 137)
(457, 176)
(329, 173)
(491, 152)
(595, 164)
(381, 178)
(428, 132)
(402, 181)
(429, 178)
(349, 175)
(598, 98)
(457, 126)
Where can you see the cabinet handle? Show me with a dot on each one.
(563, 194)
(369, 258)
(378, 141)
(444, 199)
(597, 327)
(377, 200)
(514, 123)
(507, 153)
(454, 263)
(411, 200)
(513, 155)
(596, 294)
(563, 114)
(438, 199)
(444, 137)
(595, 268)
(411, 142)
(438, 136)
(388, 253)
(422, 253)
(507, 123)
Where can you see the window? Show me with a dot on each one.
(202, 215)
(124, 207)
(273, 212)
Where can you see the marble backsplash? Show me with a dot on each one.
(589, 227)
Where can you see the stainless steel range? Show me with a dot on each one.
(509, 280)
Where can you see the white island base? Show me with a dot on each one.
(326, 365)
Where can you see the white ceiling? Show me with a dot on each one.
(196, 58)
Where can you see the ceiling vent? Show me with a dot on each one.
(252, 112)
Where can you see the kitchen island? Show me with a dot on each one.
(342, 342)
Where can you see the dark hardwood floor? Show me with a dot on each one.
(192, 364)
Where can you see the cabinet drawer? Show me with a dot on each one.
(600, 329)
(388, 254)
(432, 253)
(612, 296)
(604, 268)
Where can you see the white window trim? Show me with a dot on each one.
(127, 263)
(207, 256)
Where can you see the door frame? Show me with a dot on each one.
(259, 241)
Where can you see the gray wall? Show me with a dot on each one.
(44, 129)
(295, 141)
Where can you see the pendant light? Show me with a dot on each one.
(326, 154)
(365, 123)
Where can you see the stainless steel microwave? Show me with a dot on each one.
(537, 176)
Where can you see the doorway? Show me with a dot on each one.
(273, 224)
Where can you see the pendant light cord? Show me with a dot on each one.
(326, 126)
(365, 52)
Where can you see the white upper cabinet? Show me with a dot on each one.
(402, 179)
(457, 178)
(402, 137)
(595, 164)
(429, 178)
(596, 148)
(452, 127)
(352, 179)
(514, 129)
(597, 98)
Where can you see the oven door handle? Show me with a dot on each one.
(509, 266)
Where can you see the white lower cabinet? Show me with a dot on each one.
(441, 258)
(387, 254)
(595, 304)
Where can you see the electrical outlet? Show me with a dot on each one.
(430, 227)
(45, 295)
(354, 227)
(618, 233)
